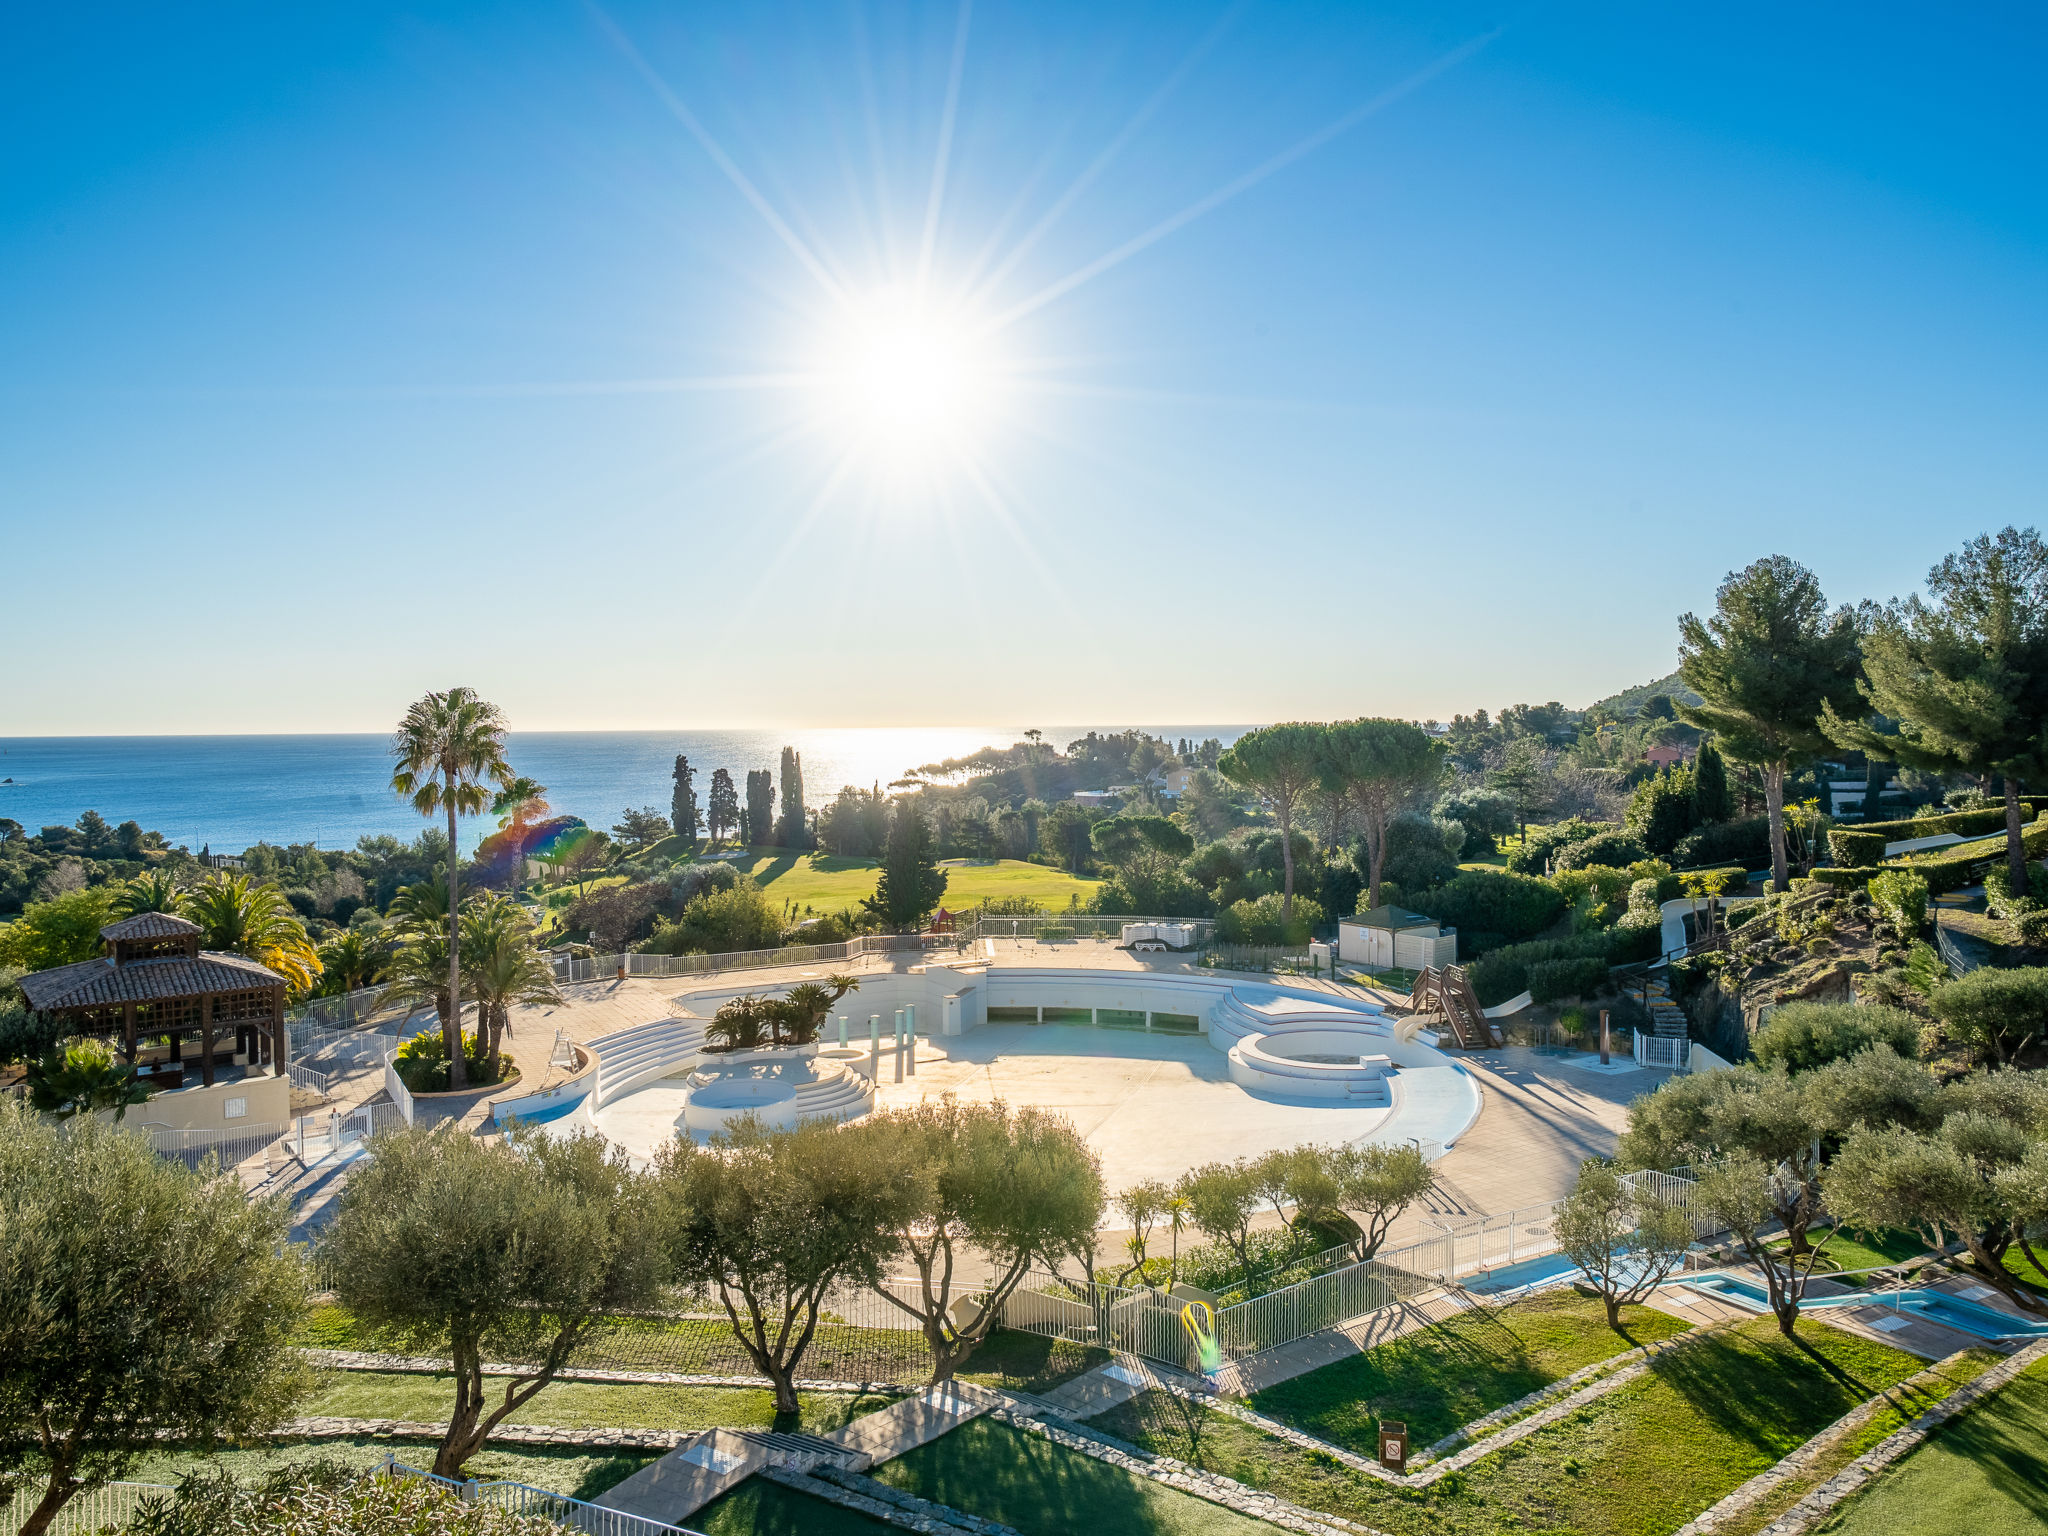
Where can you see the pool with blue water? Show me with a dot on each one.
(1935, 1306)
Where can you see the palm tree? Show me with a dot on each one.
(417, 971)
(446, 746)
(351, 961)
(151, 891)
(503, 965)
(241, 916)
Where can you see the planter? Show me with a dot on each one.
(508, 1080)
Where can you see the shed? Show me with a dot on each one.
(1386, 937)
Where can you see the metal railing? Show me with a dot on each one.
(112, 1506)
(1487, 1242)
(525, 1499)
(321, 1083)
(232, 1146)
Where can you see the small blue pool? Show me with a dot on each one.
(1550, 1269)
(1935, 1306)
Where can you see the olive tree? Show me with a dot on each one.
(519, 1247)
(1625, 1241)
(1997, 1013)
(1222, 1200)
(1362, 1189)
(139, 1302)
(1017, 1187)
(1746, 1196)
(769, 1222)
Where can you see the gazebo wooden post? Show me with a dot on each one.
(128, 1031)
(279, 1049)
(206, 1039)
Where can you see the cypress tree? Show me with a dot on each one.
(1711, 799)
(723, 812)
(793, 832)
(683, 804)
(760, 820)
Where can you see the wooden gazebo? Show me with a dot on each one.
(155, 980)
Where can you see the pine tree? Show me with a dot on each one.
(792, 832)
(1766, 665)
(1712, 801)
(911, 884)
(683, 805)
(722, 815)
(760, 822)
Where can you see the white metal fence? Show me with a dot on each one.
(1474, 1243)
(232, 1147)
(110, 1507)
(1674, 1188)
(525, 1499)
(1665, 1053)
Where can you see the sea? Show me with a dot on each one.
(229, 792)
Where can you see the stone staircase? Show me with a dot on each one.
(1668, 1018)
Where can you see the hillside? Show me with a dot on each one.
(1631, 700)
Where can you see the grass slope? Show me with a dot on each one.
(1457, 1370)
(1639, 1462)
(1985, 1473)
(828, 884)
(589, 1404)
(761, 1508)
(1042, 1489)
(579, 1474)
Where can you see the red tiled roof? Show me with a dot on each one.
(98, 983)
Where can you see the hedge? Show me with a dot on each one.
(1856, 850)
(1488, 902)
(1501, 975)
(1615, 848)
(1845, 879)
(1982, 819)
(1552, 980)
(1747, 842)
(1948, 871)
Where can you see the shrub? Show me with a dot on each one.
(1628, 944)
(1950, 871)
(831, 928)
(1485, 814)
(1851, 879)
(2031, 926)
(1661, 810)
(1484, 901)
(422, 1062)
(1746, 842)
(1722, 880)
(1258, 922)
(1533, 857)
(1616, 849)
(1501, 975)
(1550, 980)
(1855, 849)
(1422, 851)
(1603, 883)
(1805, 1035)
(1998, 890)
(739, 918)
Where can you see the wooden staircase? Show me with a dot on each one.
(1445, 990)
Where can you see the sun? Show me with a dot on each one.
(909, 381)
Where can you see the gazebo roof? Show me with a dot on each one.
(100, 983)
(150, 925)
(1391, 917)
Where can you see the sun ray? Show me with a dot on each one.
(1241, 184)
(681, 111)
(1004, 519)
(928, 245)
(1113, 148)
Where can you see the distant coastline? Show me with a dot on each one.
(228, 792)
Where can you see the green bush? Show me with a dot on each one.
(1998, 895)
(1533, 857)
(1901, 895)
(422, 1062)
(1855, 849)
(1258, 922)
(1805, 1035)
(1616, 849)
(1487, 901)
(1602, 883)
(1550, 980)
(1944, 870)
(1506, 972)
(1996, 1013)
(1746, 842)
(1627, 944)
(2032, 928)
(1853, 879)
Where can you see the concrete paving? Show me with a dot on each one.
(913, 1421)
(686, 1479)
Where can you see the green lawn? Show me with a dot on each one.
(1458, 1370)
(579, 1474)
(761, 1508)
(1871, 1251)
(1042, 1489)
(1640, 1461)
(588, 1404)
(1985, 1473)
(829, 884)
(1022, 1362)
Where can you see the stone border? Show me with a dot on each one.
(879, 1501)
(427, 1365)
(505, 1434)
(1852, 1478)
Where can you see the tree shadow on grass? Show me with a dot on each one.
(1025, 1481)
(611, 1472)
(1766, 1394)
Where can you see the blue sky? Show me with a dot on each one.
(352, 350)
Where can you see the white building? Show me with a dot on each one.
(1389, 937)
